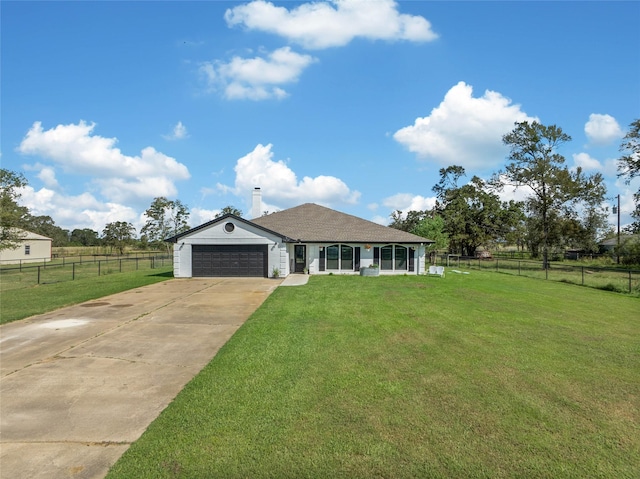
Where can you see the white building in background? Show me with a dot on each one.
(32, 248)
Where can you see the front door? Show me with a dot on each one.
(301, 258)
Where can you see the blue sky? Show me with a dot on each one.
(354, 105)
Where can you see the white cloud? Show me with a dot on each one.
(281, 186)
(586, 161)
(76, 211)
(602, 129)
(320, 25)
(406, 202)
(48, 176)
(179, 132)
(258, 78)
(120, 177)
(199, 216)
(464, 130)
(509, 193)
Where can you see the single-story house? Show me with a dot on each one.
(32, 248)
(609, 245)
(305, 239)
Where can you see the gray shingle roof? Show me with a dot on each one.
(312, 223)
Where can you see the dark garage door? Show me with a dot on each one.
(229, 260)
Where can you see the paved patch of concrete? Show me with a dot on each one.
(80, 384)
(295, 280)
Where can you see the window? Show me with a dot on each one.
(347, 257)
(333, 256)
(27, 249)
(229, 227)
(393, 258)
(401, 257)
(386, 257)
(339, 257)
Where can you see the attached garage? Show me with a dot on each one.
(230, 260)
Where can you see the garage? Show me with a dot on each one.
(229, 260)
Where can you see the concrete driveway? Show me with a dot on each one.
(80, 384)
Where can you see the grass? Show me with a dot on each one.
(21, 298)
(618, 279)
(480, 375)
(59, 270)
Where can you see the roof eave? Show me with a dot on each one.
(175, 238)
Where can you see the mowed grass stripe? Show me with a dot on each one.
(480, 375)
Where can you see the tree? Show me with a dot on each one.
(629, 167)
(44, 225)
(409, 222)
(422, 223)
(629, 164)
(229, 210)
(432, 227)
(165, 218)
(118, 235)
(11, 214)
(535, 164)
(473, 215)
(84, 237)
(514, 223)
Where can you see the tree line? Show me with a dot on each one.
(563, 207)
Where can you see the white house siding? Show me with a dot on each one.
(243, 234)
(39, 250)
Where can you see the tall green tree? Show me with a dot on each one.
(422, 223)
(629, 167)
(229, 210)
(629, 164)
(165, 218)
(535, 164)
(84, 237)
(12, 215)
(473, 215)
(432, 227)
(407, 222)
(118, 235)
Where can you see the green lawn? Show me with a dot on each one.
(21, 298)
(479, 375)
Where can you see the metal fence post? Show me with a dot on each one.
(136, 261)
(582, 268)
(38, 274)
(98, 267)
(629, 280)
(73, 271)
